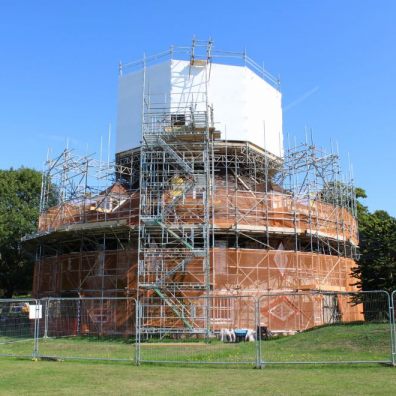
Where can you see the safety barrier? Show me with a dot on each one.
(253, 331)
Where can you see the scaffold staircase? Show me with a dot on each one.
(174, 178)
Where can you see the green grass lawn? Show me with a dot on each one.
(352, 342)
(342, 342)
(369, 341)
(19, 377)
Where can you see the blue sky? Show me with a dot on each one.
(336, 59)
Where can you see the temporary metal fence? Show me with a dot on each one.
(272, 329)
(393, 319)
(327, 327)
(18, 328)
(88, 328)
(189, 337)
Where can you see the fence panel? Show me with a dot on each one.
(393, 316)
(325, 327)
(319, 327)
(18, 326)
(198, 330)
(88, 328)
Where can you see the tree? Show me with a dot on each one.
(377, 264)
(19, 211)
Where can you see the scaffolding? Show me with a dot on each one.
(83, 245)
(188, 216)
(242, 222)
(177, 135)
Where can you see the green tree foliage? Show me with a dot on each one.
(19, 210)
(377, 265)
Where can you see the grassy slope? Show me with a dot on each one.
(370, 341)
(343, 342)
